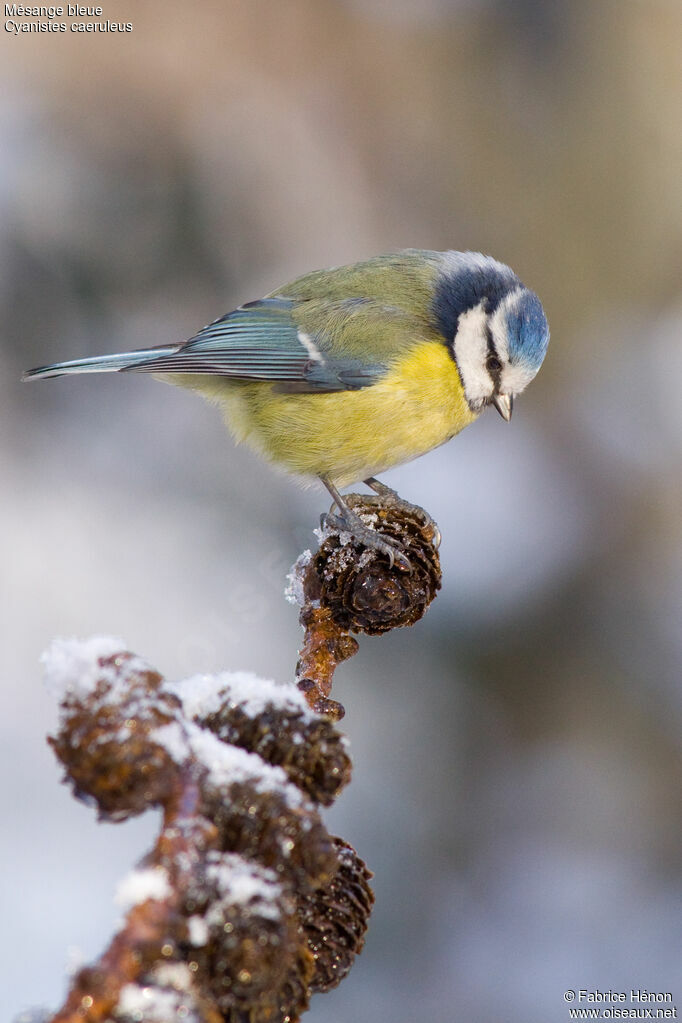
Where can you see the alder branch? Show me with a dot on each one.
(246, 905)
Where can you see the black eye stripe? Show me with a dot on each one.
(493, 363)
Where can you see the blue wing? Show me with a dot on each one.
(262, 341)
(258, 341)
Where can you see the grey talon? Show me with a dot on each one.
(393, 500)
(351, 522)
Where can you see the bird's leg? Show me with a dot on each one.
(349, 521)
(393, 500)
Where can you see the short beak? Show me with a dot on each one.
(504, 403)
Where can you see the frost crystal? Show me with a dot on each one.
(228, 765)
(198, 931)
(72, 665)
(200, 695)
(140, 885)
(203, 695)
(242, 881)
(173, 739)
(151, 1004)
(294, 589)
(175, 975)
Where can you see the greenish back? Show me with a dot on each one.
(403, 280)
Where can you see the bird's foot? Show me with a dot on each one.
(347, 521)
(391, 499)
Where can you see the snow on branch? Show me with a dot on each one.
(246, 905)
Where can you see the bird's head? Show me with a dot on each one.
(495, 327)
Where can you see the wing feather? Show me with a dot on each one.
(300, 346)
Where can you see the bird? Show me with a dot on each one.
(346, 372)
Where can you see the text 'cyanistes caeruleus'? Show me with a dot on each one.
(346, 372)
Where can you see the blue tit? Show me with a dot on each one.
(346, 372)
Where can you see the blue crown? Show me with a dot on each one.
(527, 330)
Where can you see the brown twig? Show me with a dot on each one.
(346, 588)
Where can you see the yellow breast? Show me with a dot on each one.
(349, 435)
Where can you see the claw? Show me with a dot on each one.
(348, 520)
(403, 562)
(383, 491)
(368, 537)
(394, 500)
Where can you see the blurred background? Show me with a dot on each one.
(517, 754)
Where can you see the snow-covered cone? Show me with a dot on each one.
(246, 905)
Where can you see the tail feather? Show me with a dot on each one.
(101, 363)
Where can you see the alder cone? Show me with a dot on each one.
(361, 589)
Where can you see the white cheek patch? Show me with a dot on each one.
(515, 378)
(498, 324)
(471, 351)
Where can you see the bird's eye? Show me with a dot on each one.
(493, 363)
